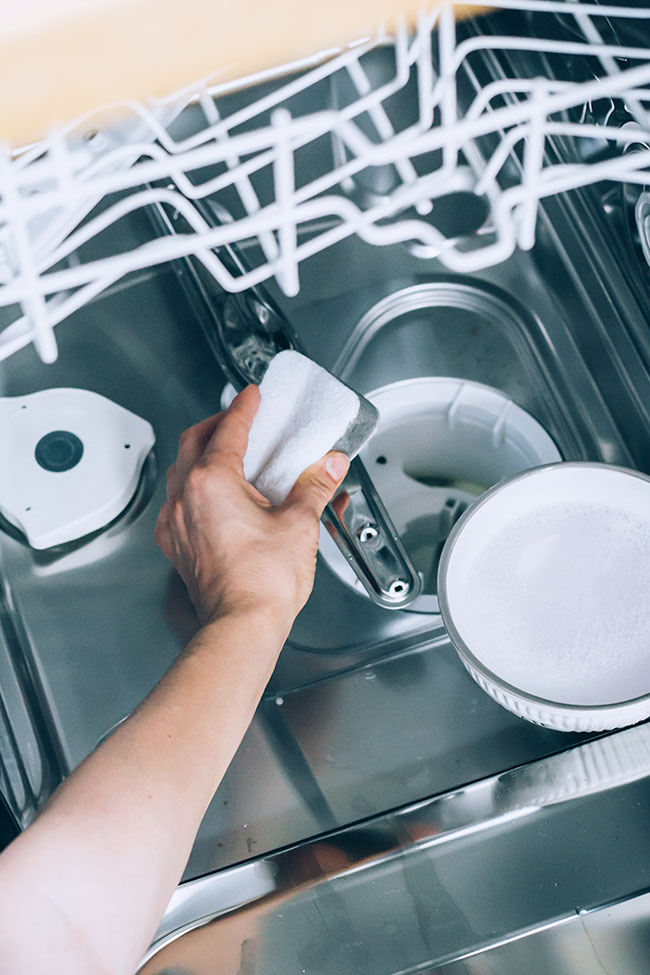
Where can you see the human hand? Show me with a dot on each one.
(234, 550)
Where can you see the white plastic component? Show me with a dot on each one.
(439, 439)
(545, 593)
(71, 460)
(404, 131)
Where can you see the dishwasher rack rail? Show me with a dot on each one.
(406, 119)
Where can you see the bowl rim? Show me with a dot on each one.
(457, 640)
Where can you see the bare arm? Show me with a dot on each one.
(83, 889)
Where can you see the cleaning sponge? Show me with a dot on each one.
(304, 412)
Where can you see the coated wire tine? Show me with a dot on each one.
(49, 191)
(243, 184)
(448, 68)
(533, 163)
(609, 63)
(284, 176)
(32, 301)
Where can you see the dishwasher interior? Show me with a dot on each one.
(374, 762)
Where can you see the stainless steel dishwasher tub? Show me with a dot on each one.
(367, 711)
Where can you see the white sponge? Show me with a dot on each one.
(304, 412)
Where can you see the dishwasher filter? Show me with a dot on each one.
(439, 445)
(71, 462)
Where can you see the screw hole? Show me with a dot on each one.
(381, 459)
(398, 587)
(29, 508)
(367, 532)
(23, 407)
(126, 446)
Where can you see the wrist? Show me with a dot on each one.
(259, 615)
(251, 625)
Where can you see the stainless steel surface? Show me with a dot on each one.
(367, 711)
(30, 766)
(536, 868)
(380, 561)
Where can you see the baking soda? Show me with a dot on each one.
(557, 603)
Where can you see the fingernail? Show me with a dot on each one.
(336, 466)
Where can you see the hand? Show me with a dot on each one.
(233, 549)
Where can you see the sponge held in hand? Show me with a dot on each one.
(304, 412)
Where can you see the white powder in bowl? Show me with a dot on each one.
(555, 600)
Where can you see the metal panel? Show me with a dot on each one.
(509, 871)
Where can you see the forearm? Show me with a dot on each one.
(109, 849)
(83, 890)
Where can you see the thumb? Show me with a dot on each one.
(316, 485)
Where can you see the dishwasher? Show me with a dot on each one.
(453, 208)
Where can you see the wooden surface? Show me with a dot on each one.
(53, 70)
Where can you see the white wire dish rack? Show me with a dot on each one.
(405, 120)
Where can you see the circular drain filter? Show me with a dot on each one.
(439, 445)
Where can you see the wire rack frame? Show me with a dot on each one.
(58, 196)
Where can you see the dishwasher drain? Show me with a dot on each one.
(440, 443)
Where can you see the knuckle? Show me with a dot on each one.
(186, 439)
(176, 514)
(198, 479)
(161, 534)
(316, 484)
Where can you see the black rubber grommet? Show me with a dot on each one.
(59, 451)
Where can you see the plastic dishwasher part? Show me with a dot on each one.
(71, 462)
(439, 445)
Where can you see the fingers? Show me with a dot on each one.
(161, 532)
(316, 485)
(230, 438)
(191, 447)
(206, 440)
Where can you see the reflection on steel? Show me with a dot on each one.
(447, 880)
(31, 765)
